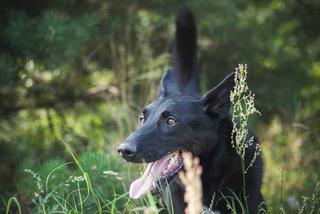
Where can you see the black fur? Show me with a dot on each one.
(185, 53)
(203, 127)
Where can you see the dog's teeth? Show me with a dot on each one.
(171, 161)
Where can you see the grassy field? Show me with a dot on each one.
(96, 179)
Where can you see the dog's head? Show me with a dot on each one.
(180, 119)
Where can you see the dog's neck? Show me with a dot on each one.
(219, 167)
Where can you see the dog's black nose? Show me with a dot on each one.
(127, 151)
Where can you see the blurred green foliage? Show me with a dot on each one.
(81, 71)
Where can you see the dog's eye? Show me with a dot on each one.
(171, 121)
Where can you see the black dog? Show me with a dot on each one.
(183, 120)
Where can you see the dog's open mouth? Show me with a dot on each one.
(160, 171)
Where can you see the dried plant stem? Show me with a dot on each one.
(192, 182)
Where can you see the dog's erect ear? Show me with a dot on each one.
(168, 85)
(185, 53)
(217, 100)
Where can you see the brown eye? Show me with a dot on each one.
(171, 122)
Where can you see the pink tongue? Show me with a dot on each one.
(144, 184)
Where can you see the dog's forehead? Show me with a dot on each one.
(174, 104)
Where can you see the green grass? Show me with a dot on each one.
(80, 186)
